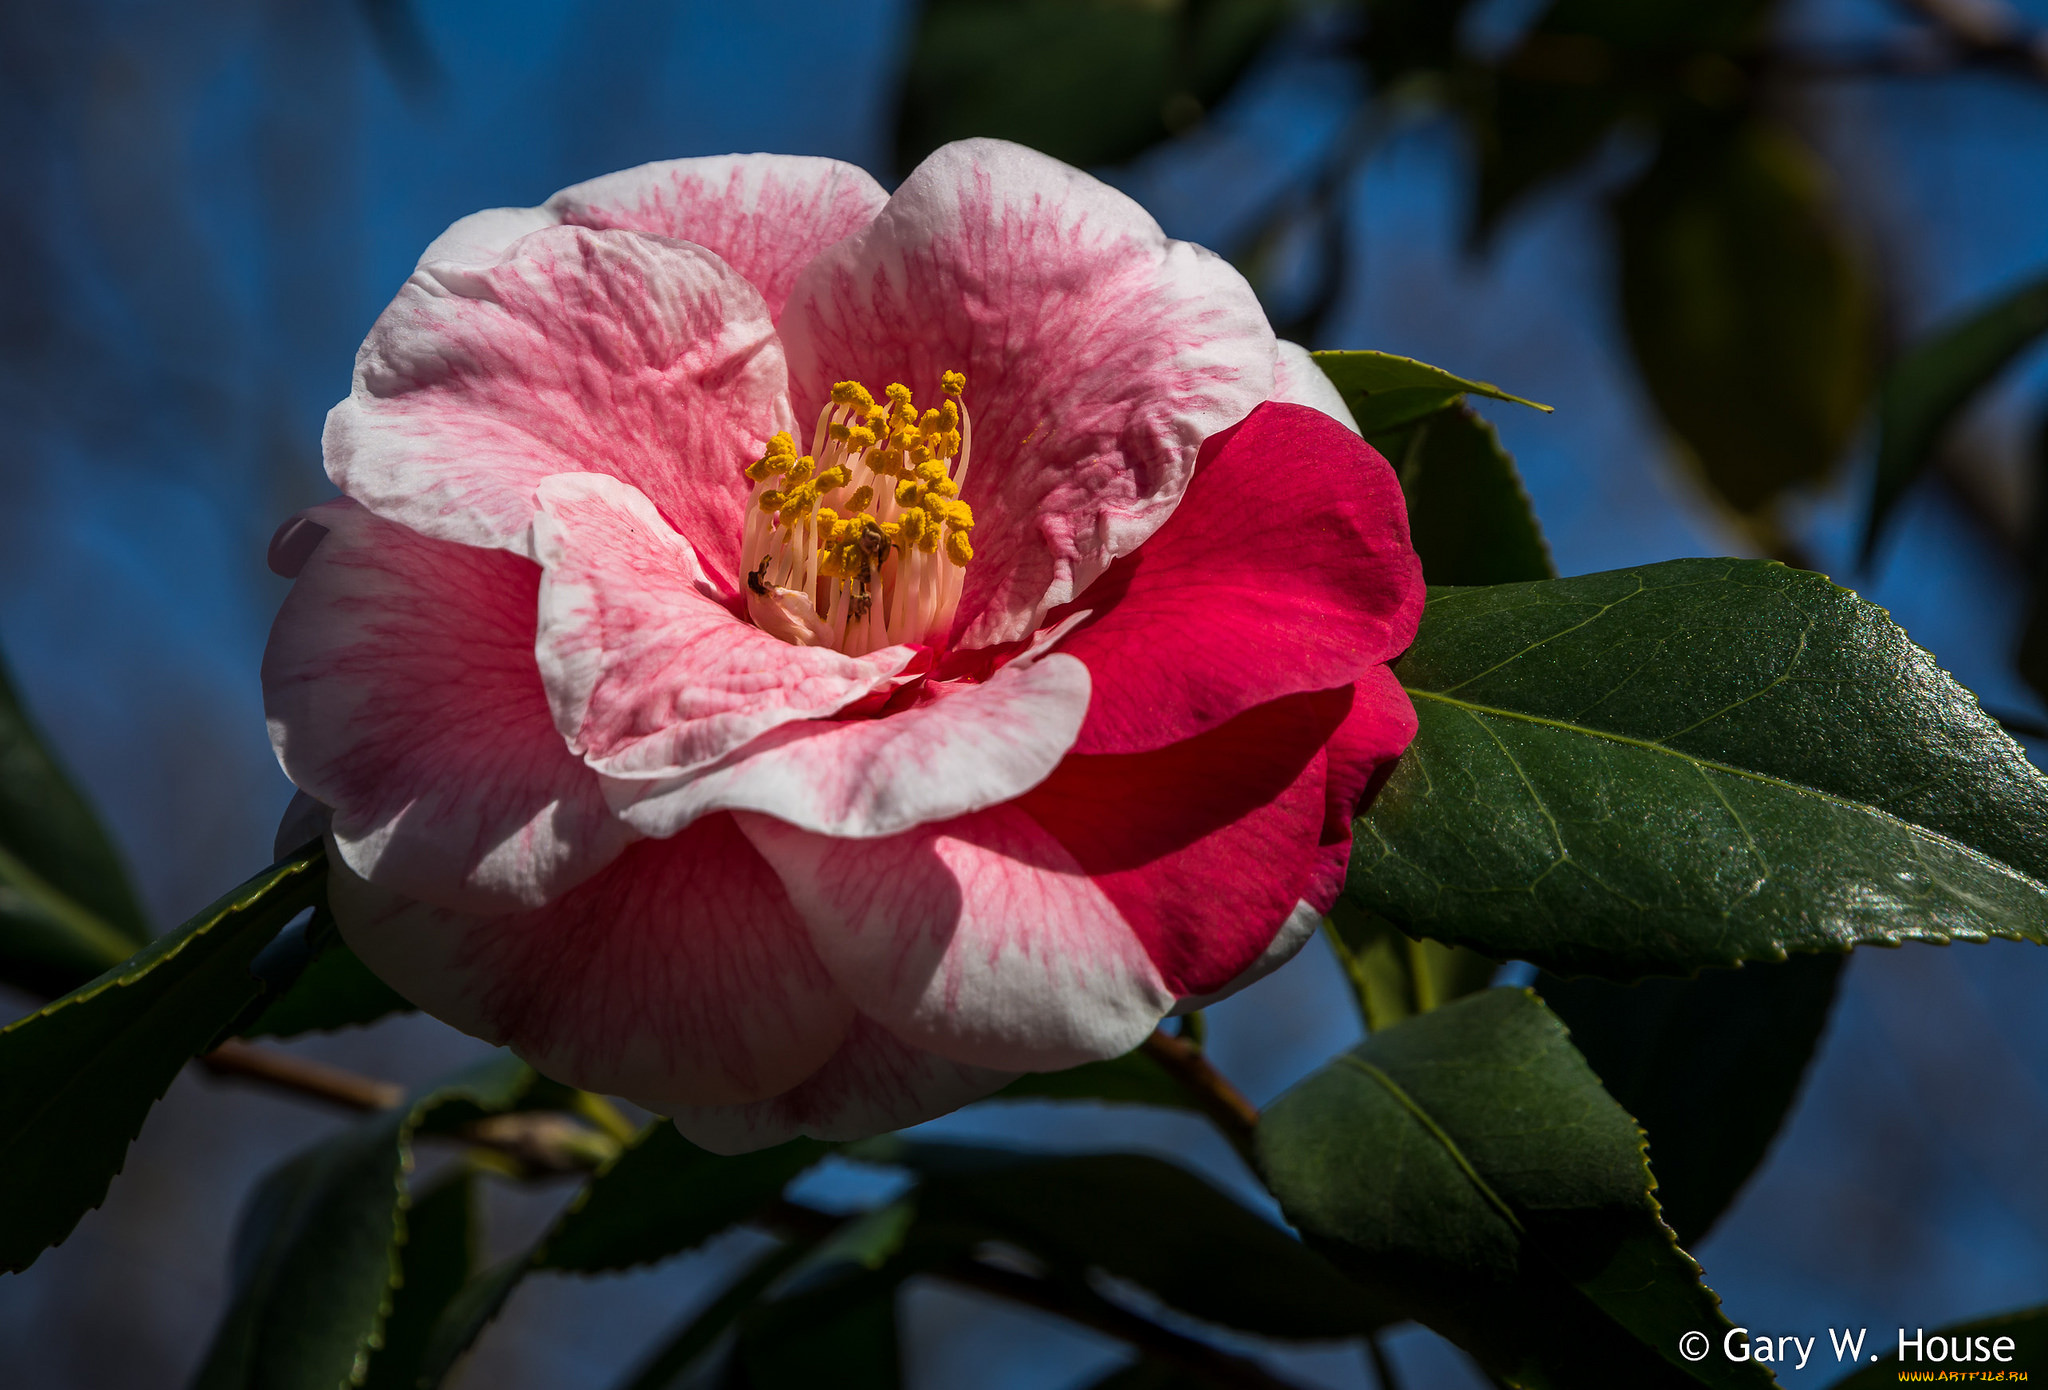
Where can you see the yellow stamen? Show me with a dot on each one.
(843, 549)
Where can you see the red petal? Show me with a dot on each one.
(1205, 846)
(1287, 568)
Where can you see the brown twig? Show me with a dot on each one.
(1221, 1101)
(539, 1143)
(302, 1076)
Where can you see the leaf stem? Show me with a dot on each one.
(1236, 1116)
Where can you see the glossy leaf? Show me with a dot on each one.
(440, 1251)
(1132, 1079)
(333, 989)
(1384, 391)
(1087, 81)
(1750, 319)
(1928, 387)
(1468, 514)
(1692, 764)
(665, 1195)
(687, 1348)
(78, 1077)
(1709, 1067)
(1395, 976)
(832, 1319)
(318, 1253)
(2028, 1330)
(1151, 1222)
(66, 910)
(1467, 1167)
(661, 1196)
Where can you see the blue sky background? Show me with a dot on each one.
(211, 200)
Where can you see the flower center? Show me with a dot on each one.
(862, 542)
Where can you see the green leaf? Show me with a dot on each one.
(317, 1257)
(1750, 319)
(1148, 1221)
(2029, 1350)
(1087, 81)
(684, 1350)
(1468, 515)
(1384, 391)
(334, 990)
(66, 910)
(1709, 1067)
(1691, 764)
(1467, 1168)
(832, 1319)
(440, 1250)
(78, 1076)
(661, 1196)
(1132, 1079)
(665, 1195)
(1395, 976)
(1931, 383)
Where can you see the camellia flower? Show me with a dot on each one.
(796, 657)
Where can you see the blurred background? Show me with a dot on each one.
(1723, 237)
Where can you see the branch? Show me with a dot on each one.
(301, 1076)
(1198, 1359)
(1221, 1101)
(1208, 1364)
(540, 1143)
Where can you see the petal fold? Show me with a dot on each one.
(648, 672)
(978, 746)
(1204, 846)
(980, 939)
(876, 1082)
(1361, 756)
(1287, 568)
(401, 690)
(1299, 381)
(679, 976)
(571, 351)
(1099, 354)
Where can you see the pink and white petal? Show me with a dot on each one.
(1287, 568)
(868, 778)
(1205, 846)
(401, 690)
(876, 1082)
(572, 352)
(482, 237)
(648, 673)
(766, 215)
(980, 939)
(1099, 355)
(1294, 933)
(1299, 381)
(1361, 756)
(679, 976)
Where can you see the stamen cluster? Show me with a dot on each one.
(860, 543)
